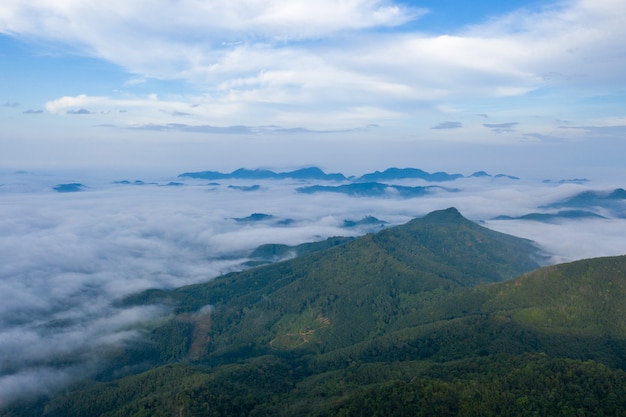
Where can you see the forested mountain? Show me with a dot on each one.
(423, 319)
(355, 290)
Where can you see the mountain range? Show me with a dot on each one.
(439, 316)
(612, 201)
(584, 205)
(553, 217)
(314, 173)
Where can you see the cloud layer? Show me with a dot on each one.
(352, 63)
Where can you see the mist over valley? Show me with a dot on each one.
(72, 250)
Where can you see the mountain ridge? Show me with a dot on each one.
(315, 173)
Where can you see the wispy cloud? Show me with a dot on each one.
(300, 19)
(501, 127)
(79, 111)
(540, 137)
(248, 130)
(448, 125)
(153, 112)
(180, 114)
(606, 130)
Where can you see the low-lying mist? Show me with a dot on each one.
(66, 257)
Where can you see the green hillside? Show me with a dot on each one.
(584, 296)
(349, 293)
(272, 252)
(413, 320)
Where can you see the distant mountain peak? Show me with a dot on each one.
(618, 194)
(480, 174)
(408, 173)
(69, 188)
(451, 214)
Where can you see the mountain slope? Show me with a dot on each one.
(583, 296)
(514, 348)
(346, 294)
(571, 310)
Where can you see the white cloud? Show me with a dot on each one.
(241, 59)
(578, 42)
(297, 19)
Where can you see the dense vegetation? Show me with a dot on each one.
(413, 320)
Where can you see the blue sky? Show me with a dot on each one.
(526, 87)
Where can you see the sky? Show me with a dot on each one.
(523, 87)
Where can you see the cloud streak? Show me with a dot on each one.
(501, 127)
(448, 125)
(236, 130)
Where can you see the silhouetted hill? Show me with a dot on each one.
(372, 189)
(69, 188)
(510, 177)
(368, 221)
(483, 174)
(567, 181)
(257, 174)
(613, 201)
(408, 173)
(246, 188)
(588, 198)
(254, 217)
(554, 217)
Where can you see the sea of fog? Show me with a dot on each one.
(66, 257)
